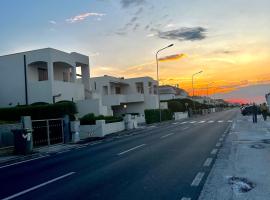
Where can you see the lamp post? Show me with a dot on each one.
(158, 79)
(193, 87)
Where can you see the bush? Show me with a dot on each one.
(152, 115)
(176, 106)
(90, 119)
(38, 111)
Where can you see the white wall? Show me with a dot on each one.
(101, 129)
(68, 91)
(40, 91)
(12, 86)
(92, 106)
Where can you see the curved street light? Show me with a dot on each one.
(158, 79)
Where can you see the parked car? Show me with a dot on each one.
(248, 110)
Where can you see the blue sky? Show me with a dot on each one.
(121, 36)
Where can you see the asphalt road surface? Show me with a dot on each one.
(167, 161)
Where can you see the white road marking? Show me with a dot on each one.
(175, 123)
(197, 180)
(185, 128)
(23, 161)
(94, 143)
(201, 122)
(210, 121)
(214, 151)
(123, 152)
(230, 121)
(183, 122)
(220, 121)
(38, 186)
(192, 122)
(151, 126)
(218, 144)
(220, 139)
(208, 162)
(185, 198)
(164, 136)
(63, 151)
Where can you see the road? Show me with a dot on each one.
(167, 161)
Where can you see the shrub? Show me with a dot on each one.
(38, 111)
(152, 115)
(90, 119)
(176, 106)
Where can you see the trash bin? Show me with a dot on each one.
(23, 143)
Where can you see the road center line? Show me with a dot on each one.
(185, 128)
(23, 161)
(185, 198)
(218, 144)
(208, 162)
(214, 151)
(201, 122)
(198, 178)
(192, 122)
(183, 122)
(123, 152)
(220, 121)
(164, 136)
(210, 121)
(38, 186)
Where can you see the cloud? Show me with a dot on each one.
(191, 34)
(129, 3)
(83, 16)
(150, 35)
(52, 22)
(172, 57)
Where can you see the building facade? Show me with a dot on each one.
(44, 75)
(168, 92)
(121, 96)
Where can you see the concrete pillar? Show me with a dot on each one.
(86, 79)
(50, 71)
(75, 129)
(73, 74)
(100, 128)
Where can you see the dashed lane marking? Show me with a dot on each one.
(175, 123)
(214, 151)
(123, 152)
(192, 122)
(185, 128)
(230, 121)
(183, 122)
(201, 122)
(38, 186)
(218, 144)
(220, 121)
(185, 198)
(210, 121)
(197, 180)
(220, 139)
(164, 136)
(208, 162)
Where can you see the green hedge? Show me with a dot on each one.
(48, 111)
(152, 115)
(90, 119)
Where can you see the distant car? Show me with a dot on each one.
(248, 110)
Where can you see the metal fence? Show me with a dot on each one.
(47, 132)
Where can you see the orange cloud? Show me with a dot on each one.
(172, 57)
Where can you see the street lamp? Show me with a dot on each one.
(158, 79)
(193, 87)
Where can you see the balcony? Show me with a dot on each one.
(114, 100)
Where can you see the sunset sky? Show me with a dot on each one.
(228, 39)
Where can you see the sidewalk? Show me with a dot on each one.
(242, 167)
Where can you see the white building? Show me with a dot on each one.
(168, 92)
(267, 96)
(121, 96)
(43, 75)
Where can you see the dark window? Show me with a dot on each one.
(42, 74)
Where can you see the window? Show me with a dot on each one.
(117, 90)
(65, 76)
(150, 87)
(139, 87)
(42, 74)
